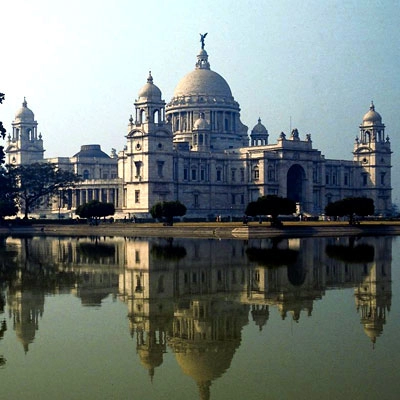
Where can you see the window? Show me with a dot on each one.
(202, 174)
(142, 116)
(346, 180)
(85, 174)
(242, 199)
(241, 174)
(194, 174)
(219, 175)
(137, 196)
(382, 178)
(327, 179)
(315, 175)
(233, 198)
(196, 200)
(364, 179)
(271, 173)
(256, 174)
(226, 124)
(233, 174)
(185, 174)
(156, 116)
(138, 165)
(160, 165)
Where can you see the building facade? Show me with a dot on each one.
(195, 149)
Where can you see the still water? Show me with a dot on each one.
(124, 318)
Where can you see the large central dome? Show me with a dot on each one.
(206, 94)
(203, 82)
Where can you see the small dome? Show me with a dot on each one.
(91, 151)
(201, 123)
(372, 117)
(259, 128)
(24, 113)
(149, 91)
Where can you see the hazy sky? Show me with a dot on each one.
(318, 64)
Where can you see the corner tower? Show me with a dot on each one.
(372, 154)
(145, 164)
(24, 146)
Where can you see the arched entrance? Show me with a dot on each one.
(295, 183)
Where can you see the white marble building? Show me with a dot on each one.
(195, 149)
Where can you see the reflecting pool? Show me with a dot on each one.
(124, 318)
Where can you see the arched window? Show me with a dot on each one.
(156, 116)
(85, 174)
(142, 116)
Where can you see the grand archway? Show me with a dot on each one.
(296, 183)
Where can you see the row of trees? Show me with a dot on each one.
(274, 206)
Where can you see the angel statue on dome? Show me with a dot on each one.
(202, 38)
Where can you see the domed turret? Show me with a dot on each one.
(91, 151)
(259, 134)
(25, 145)
(24, 114)
(149, 107)
(201, 124)
(372, 117)
(149, 92)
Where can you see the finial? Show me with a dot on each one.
(259, 120)
(150, 78)
(25, 104)
(372, 107)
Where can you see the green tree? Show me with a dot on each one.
(168, 210)
(36, 183)
(350, 207)
(7, 200)
(271, 205)
(2, 132)
(95, 209)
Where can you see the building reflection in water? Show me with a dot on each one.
(193, 297)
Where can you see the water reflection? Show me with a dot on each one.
(193, 297)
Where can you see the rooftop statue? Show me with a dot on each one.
(202, 38)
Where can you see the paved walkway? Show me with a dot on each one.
(208, 230)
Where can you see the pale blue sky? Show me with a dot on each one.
(81, 63)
